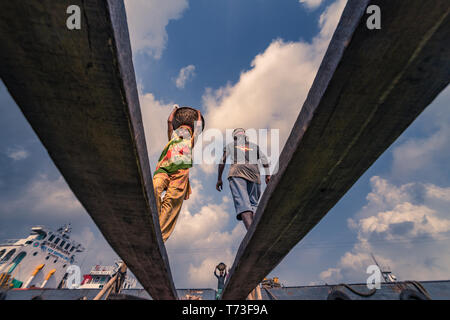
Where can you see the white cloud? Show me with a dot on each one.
(147, 21)
(271, 93)
(17, 153)
(218, 246)
(52, 194)
(154, 118)
(431, 152)
(185, 74)
(97, 250)
(311, 4)
(435, 192)
(418, 153)
(201, 239)
(44, 196)
(404, 221)
(331, 273)
(407, 228)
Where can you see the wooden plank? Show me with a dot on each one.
(369, 88)
(77, 89)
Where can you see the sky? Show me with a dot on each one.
(248, 64)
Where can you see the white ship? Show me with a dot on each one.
(100, 275)
(38, 261)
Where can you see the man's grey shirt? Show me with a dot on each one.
(244, 158)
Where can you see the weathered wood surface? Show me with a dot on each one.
(370, 86)
(77, 89)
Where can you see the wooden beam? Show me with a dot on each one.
(369, 88)
(77, 89)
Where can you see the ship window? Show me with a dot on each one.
(71, 249)
(8, 255)
(46, 258)
(17, 260)
(64, 265)
(67, 246)
(62, 244)
(56, 260)
(29, 242)
(2, 252)
(51, 237)
(41, 236)
(35, 253)
(57, 240)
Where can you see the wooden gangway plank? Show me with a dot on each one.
(77, 89)
(370, 87)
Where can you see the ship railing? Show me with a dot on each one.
(8, 242)
(102, 269)
(38, 226)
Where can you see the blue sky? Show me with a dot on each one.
(220, 39)
(248, 63)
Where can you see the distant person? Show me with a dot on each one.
(243, 177)
(220, 281)
(172, 172)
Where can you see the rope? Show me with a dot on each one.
(362, 294)
(420, 288)
(416, 284)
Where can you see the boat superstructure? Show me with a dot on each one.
(99, 276)
(39, 260)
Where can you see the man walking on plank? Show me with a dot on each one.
(243, 176)
(244, 180)
(172, 172)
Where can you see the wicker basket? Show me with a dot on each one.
(221, 266)
(187, 116)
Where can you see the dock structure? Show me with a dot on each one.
(370, 87)
(77, 89)
(402, 290)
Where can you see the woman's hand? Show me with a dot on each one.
(169, 122)
(172, 115)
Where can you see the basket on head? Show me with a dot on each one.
(221, 266)
(186, 116)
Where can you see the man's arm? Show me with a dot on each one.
(169, 122)
(219, 184)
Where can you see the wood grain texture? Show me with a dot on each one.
(370, 87)
(77, 89)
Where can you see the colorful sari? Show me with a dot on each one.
(172, 176)
(177, 154)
